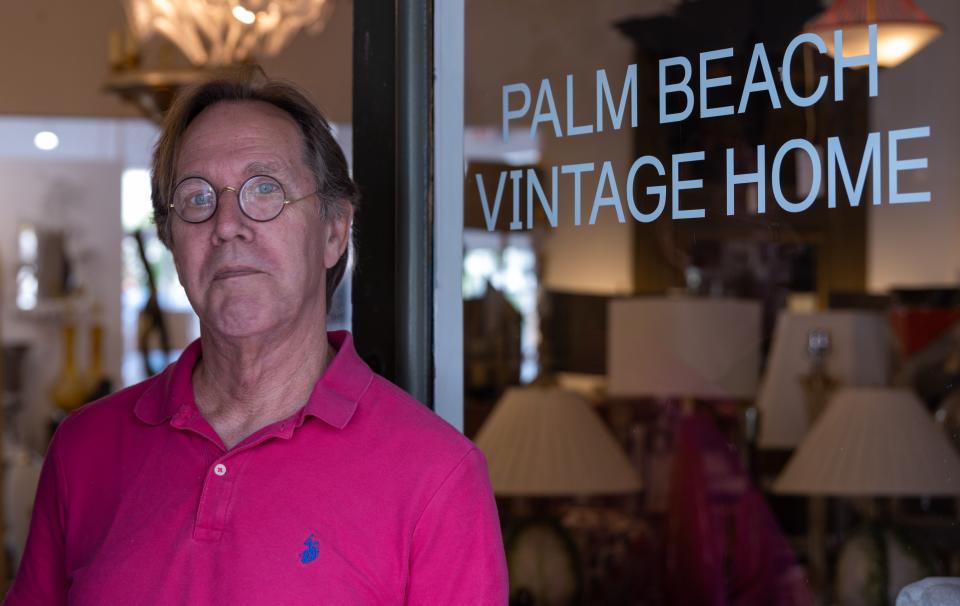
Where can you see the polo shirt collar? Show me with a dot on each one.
(333, 400)
(335, 396)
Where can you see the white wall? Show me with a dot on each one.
(917, 244)
(82, 197)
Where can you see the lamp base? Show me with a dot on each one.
(874, 564)
(544, 563)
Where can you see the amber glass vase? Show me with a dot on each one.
(69, 390)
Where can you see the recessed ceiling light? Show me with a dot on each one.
(46, 140)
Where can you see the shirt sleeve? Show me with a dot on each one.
(41, 578)
(457, 553)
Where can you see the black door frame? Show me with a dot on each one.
(393, 147)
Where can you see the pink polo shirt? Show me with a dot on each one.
(364, 496)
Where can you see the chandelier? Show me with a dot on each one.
(214, 33)
(216, 36)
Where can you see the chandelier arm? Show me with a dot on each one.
(245, 47)
(207, 21)
(185, 38)
(279, 38)
(232, 41)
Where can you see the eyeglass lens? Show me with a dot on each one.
(261, 198)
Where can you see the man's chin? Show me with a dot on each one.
(240, 324)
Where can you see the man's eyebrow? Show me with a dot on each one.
(263, 168)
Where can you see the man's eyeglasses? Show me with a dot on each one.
(261, 198)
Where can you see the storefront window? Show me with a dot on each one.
(738, 221)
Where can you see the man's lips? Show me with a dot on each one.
(234, 272)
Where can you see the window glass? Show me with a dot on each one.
(710, 295)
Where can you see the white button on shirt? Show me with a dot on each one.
(220, 469)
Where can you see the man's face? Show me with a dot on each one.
(246, 278)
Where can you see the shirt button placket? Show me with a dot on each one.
(214, 502)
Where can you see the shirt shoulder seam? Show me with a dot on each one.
(426, 506)
(443, 483)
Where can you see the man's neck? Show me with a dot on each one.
(243, 385)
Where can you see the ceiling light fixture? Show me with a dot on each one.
(46, 140)
(903, 28)
(213, 33)
(216, 36)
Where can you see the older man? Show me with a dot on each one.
(268, 465)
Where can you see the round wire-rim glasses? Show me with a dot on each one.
(261, 199)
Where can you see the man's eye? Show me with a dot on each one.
(267, 188)
(201, 199)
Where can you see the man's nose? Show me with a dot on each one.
(229, 221)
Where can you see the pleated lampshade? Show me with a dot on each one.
(873, 442)
(675, 347)
(544, 441)
(859, 351)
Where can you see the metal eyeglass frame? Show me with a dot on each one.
(217, 194)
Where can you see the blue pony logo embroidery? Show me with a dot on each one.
(311, 552)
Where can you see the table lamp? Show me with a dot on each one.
(547, 442)
(859, 345)
(686, 349)
(872, 442)
(678, 348)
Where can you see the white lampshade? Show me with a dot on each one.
(873, 442)
(859, 350)
(544, 441)
(683, 347)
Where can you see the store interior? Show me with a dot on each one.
(756, 406)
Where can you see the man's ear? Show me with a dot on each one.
(338, 221)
